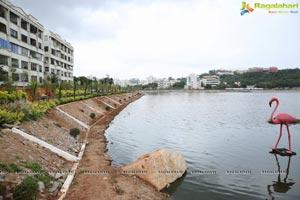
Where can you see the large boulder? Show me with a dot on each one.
(159, 168)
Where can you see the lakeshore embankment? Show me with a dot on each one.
(95, 177)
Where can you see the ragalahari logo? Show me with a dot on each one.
(246, 8)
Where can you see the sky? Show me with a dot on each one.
(162, 38)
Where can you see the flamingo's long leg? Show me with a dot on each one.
(275, 147)
(289, 137)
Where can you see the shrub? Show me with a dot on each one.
(92, 115)
(45, 178)
(27, 190)
(107, 108)
(74, 132)
(10, 117)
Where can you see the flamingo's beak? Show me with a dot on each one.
(270, 103)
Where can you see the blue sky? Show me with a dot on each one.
(131, 38)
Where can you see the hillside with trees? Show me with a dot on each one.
(287, 78)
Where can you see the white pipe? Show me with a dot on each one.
(52, 148)
(112, 100)
(107, 104)
(76, 120)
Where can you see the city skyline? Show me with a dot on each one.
(128, 39)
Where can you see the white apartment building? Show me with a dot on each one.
(22, 42)
(193, 82)
(213, 80)
(21, 45)
(59, 58)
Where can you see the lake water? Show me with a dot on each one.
(219, 133)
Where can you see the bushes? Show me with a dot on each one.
(74, 132)
(107, 108)
(6, 97)
(27, 190)
(7, 117)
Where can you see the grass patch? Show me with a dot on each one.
(1, 134)
(15, 168)
(34, 166)
(5, 168)
(46, 126)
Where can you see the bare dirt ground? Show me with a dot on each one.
(96, 179)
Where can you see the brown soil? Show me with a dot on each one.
(97, 179)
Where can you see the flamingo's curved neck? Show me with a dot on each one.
(272, 115)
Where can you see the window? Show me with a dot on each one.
(53, 52)
(3, 60)
(24, 38)
(33, 67)
(14, 48)
(33, 42)
(46, 49)
(34, 78)
(13, 33)
(40, 68)
(15, 63)
(52, 61)
(52, 71)
(24, 64)
(46, 60)
(3, 28)
(24, 24)
(41, 79)
(13, 18)
(4, 44)
(46, 69)
(3, 12)
(39, 33)
(24, 51)
(24, 77)
(40, 45)
(15, 77)
(33, 29)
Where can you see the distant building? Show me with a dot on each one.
(224, 72)
(273, 69)
(256, 69)
(213, 80)
(193, 82)
(58, 57)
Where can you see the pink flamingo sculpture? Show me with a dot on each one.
(282, 118)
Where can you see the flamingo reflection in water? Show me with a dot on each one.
(281, 186)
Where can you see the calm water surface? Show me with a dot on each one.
(215, 132)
